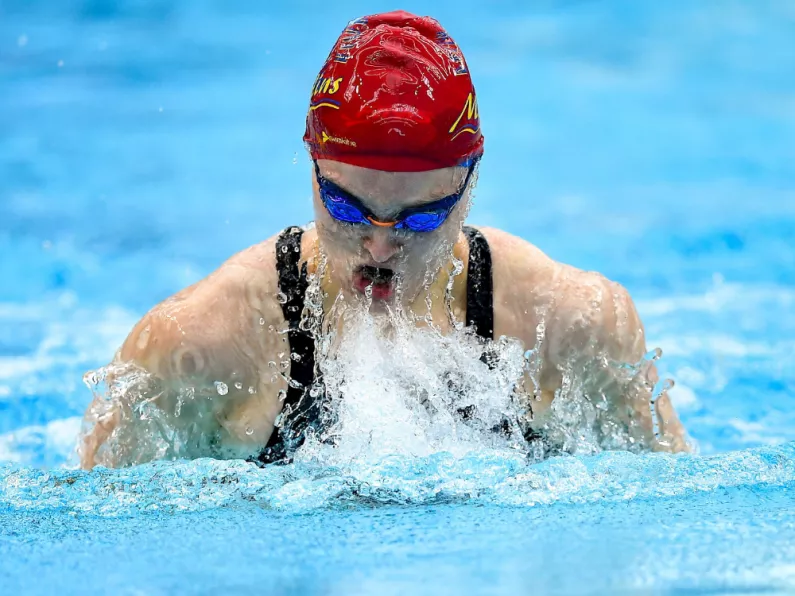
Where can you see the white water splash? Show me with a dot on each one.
(395, 389)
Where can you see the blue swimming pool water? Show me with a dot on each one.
(141, 143)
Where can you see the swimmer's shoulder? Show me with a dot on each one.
(577, 306)
(519, 268)
(523, 270)
(235, 306)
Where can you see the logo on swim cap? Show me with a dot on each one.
(347, 40)
(393, 87)
(470, 124)
(324, 138)
(444, 40)
(321, 92)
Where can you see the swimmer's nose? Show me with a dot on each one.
(381, 244)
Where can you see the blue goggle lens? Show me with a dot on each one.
(426, 221)
(340, 209)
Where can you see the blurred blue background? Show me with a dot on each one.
(144, 142)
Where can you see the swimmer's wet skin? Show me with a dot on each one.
(394, 133)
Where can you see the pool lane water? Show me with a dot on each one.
(143, 143)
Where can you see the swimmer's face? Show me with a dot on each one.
(391, 262)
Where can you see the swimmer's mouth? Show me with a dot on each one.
(378, 279)
(377, 275)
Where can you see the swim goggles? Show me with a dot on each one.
(345, 207)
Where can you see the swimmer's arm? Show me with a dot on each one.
(206, 342)
(621, 373)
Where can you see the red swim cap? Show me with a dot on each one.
(394, 94)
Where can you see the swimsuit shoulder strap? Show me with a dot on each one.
(480, 288)
(292, 280)
(292, 287)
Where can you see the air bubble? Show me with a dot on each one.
(238, 385)
(284, 249)
(249, 431)
(221, 388)
(281, 297)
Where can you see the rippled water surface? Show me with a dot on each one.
(141, 143)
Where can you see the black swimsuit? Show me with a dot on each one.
(302, 408)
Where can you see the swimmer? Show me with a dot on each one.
(394, 136)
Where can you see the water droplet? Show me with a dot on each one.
(295, 158)
(221, 388)
(281, 298)
(284, 249)
(296, 357)
(238, 385)
(249, 431)
(251, 390)
(653, 355)
(296, 249)
(282, 395)
(262, 320)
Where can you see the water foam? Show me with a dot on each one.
(392, 388)
(484, 477)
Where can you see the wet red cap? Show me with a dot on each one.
(394, 94)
